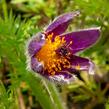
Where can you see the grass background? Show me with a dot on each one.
(20, 89)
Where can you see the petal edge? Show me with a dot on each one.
(82, 39)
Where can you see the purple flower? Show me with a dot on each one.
(52, 53)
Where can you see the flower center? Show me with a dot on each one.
(52, 61)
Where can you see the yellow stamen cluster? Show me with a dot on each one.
(52, 61)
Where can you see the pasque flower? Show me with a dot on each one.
(52, 53)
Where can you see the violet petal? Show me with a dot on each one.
(83, 64)
(35, 44)
(82, 39)
(36, 66)
(62, 77)
(60, 24)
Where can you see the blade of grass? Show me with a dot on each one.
(54, 94)
(4, 7)
(39, 92)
